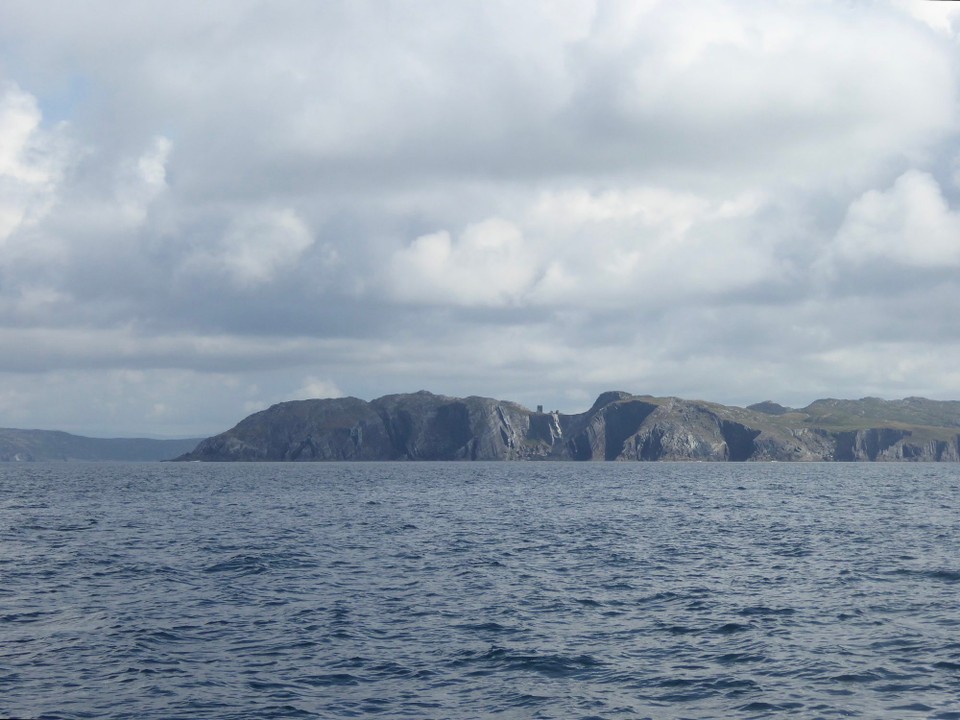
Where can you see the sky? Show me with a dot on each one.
(209, 208)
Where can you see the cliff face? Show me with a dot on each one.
(601, 432)
(887, 444)
(423, 426)
(340, 429)
(420, 426)
(619, 426)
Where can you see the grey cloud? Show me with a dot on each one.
(539, 201)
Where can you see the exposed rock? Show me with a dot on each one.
(419, 426)
(682, 430)
(606, 398)
(424, 426)
(867, 444)
(739, 440)
(339, 429)
(888, 444)
(794, 445)
(545, 432)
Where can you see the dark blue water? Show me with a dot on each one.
(480, 590)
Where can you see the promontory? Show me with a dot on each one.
(618, 426)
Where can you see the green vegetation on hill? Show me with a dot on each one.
(930, 418)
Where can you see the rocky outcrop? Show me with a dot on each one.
(890, 444)
(603, 431)
(619, 426)
(340, 429)
(929, 451)
(794, 445)
(424, 426)
(867, 444)
(418, 426)
(678, 430)
(681, 430)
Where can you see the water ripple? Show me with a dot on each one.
(474, 590)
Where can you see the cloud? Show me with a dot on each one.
(646, 244)
(19, 118)
(577, 248)
(314, 387)
(539, 201)
(941, 16)
(749, 90)
(256, 246)
(259, 244)
(141, 182)
(909, 224)
(32, 162)
(488, 264)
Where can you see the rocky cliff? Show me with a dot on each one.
(418, 426)
(619, 426)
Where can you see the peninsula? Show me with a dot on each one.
(619, 426)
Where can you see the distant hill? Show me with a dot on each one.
(906, 413)
(619, 426)
(770, 408)
(38, 445)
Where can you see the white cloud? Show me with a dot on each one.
(141, 181)
(256, 246)
(314, 387)
(909, 224)
(488, 264)
(784, 92)
(577, 248)
(19, 125)
(32, 161)
(649, 206)
(613, 247)
(941, 15)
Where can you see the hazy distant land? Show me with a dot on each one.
(619, 426)
(41, 445)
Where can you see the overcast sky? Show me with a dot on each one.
(207, 208)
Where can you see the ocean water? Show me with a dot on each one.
(515, 590)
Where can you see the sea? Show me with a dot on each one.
(480, 590)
